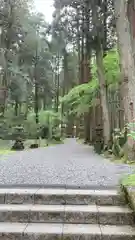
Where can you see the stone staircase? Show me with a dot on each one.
(66, 214)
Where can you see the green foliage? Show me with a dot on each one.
(80, 98)
(28, 57)
(128, 180)
(46, 117)
(50, 119)
(112, 70)
(111, 66)
(118, 143)
(131, 127)
(116, 149)
(25, 54)
(9, 125)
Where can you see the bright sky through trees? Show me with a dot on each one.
(45, 7)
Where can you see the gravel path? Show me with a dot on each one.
(70, 163)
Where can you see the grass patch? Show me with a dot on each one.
(128, 180)
(5, 147)
(6, 151)
(54, 142)
(80, 140)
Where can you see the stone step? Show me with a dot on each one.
(59, 196)
(112, 215)
(91, 214)
(36, 231)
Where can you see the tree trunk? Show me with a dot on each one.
(87, 127)
(86, 66)
(64, 84)
(58, 83)
(82, 47)
(123, 87)
(44, 100)
(121, 109)
(104, 104)
(20, 108)
(69, 128)
(131, 18)
(78, 45)
(16, 108)
(26, 109)
(92, 125)
(65, 66)
(127, 62)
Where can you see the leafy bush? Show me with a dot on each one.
(9, 125)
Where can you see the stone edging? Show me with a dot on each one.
(59, 186)
(129, 195)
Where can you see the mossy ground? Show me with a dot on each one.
(5, 146)
(115, 159)
(128, 180)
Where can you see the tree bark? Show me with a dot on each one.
(131, 18)
(78, 45)
(58, 83)
(44, 100)
(20, 108)
(87, 127)
(26, 109)
(104, 104)
(127, 62)
(16, 108)
(82, 47)
(86, 66)
(126, 56)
